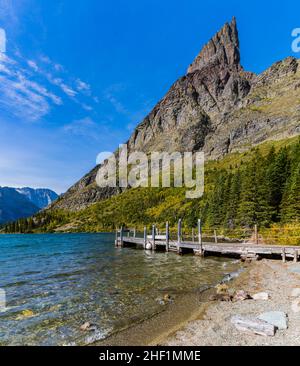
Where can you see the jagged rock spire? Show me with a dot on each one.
(222, 49)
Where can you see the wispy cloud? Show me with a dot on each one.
(8, 11)
(133, 117)
(82, 127)
(33, 65)
(83, 86)
(30, 88)
(21, 96)
(2, 40)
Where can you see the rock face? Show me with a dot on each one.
(41, 197)
(222, 50)
(217, 107)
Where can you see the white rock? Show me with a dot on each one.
(253, 325)
(277, 318)
(148, 246)
(296, 306)
(295, 292)
(261, 296)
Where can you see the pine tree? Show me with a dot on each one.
(291, 200)
(255, 205)
(233, 201)
(217, 201)
(278, 172)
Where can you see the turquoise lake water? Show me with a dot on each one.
(55, 283)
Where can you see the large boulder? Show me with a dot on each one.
(277, 318)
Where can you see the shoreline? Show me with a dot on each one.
(156, 329)
(215, 328)
(195, 319)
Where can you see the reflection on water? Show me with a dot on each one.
(55, 283)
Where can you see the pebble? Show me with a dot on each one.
(261, 296)
(86, 326)
(241, 295)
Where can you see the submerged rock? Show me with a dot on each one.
(222, 288)
(220, 297)
(86, 326)
(167, 299)
(25, 314)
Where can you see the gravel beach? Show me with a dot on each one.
(214, 327)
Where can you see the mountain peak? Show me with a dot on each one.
(222, 50)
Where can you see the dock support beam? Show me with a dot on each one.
(167, 236)
(116, 238)
(295, 255)
(256, 234)
(200, 237)
(145, 237)
(283, 255)
(216, 237)
(134, 232)
(121, 236)
(179, 236)
(153, 237)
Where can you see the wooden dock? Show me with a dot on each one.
(251, 250)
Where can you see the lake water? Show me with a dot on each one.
(55, 283)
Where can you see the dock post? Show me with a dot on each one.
(256, 234)
(116, 239)
(179, 235)
(145, 237)
(134, 232)
(216, 237)
(167, 236)
(295, 255)
(121, 236)
(153, 237)
(283, 255)
(193, 235)
(200, 236)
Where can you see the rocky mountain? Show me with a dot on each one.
(217, 107)
(24, 202)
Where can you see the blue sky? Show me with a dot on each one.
(77, 76)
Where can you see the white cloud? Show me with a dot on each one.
(21, 96)
(86, 107)
(2, 40)
(33, 65)
(82, 86)
(69, 91)
(58, 67)
(82, 127)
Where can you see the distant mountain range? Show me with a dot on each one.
(16, 203)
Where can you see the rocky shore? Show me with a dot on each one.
(261, 307)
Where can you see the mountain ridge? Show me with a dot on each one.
(16, 203)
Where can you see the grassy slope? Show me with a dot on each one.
(145, 206)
